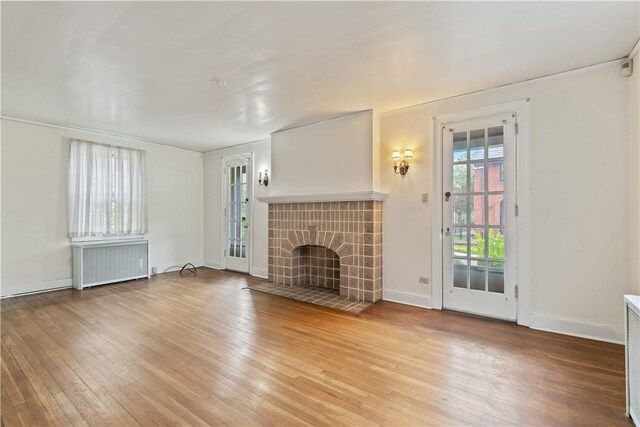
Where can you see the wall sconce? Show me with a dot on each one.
(401, 165)
(263, 179)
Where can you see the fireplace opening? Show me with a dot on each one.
(317, 266)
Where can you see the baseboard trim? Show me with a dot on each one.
(31, 288)
(260, 272)
(256, 272)
(423, 301)
(213, 264)
(607, 333)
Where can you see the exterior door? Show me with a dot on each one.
(236, 214)
(479, 217)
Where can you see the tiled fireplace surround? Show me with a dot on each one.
(310, 243)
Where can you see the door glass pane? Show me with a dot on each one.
(460, 178)
(477, 242)
(496, 277)
(459, 146)
(460, 236)
(477, 275)
(476, 209)
(496, 175)
(476, 144)
(496, 142)
(460, 273)
(234, 233)
(476, 180)
(496, 243)
(460, 214)
(496, 209)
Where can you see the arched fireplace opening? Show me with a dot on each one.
(317, 266)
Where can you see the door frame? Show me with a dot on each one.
(225, 195)
(521, 109)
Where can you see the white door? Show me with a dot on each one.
(236, 214)
(479, 217)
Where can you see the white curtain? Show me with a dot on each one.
(107, 190)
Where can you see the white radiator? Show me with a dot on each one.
(632, 341)
(98, 263)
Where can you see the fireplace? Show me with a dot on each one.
(335, 245)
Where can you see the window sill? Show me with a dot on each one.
(106, 238)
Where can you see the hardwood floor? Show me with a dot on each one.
(194, 351)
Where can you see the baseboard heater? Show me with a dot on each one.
(99, 263)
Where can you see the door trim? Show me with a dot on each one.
(521, 109)
(250, 187)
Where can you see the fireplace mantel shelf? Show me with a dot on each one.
(344, 196)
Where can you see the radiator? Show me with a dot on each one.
(99, 263)
(632, 341)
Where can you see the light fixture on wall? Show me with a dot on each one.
(401, 164)
(263, 179)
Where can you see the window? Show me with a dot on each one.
(107, 191)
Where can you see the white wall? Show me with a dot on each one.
(330, 156)
(35, 163)
(214, 200)
(633, 84)
(580, 172)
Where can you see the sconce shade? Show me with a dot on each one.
(401, 164)
(263, 180)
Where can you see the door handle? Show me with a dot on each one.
(447, 232)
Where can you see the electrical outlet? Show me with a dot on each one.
(425, 197)
(423, 279)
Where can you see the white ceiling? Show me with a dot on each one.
(144, 69)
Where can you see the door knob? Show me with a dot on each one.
(447, 232)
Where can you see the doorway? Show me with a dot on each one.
(237, 179)
(479, 216)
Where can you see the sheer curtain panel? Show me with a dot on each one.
(107, 190)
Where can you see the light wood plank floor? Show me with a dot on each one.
(198, 351)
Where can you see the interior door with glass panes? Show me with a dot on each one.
(479, 217)
(236, 214)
